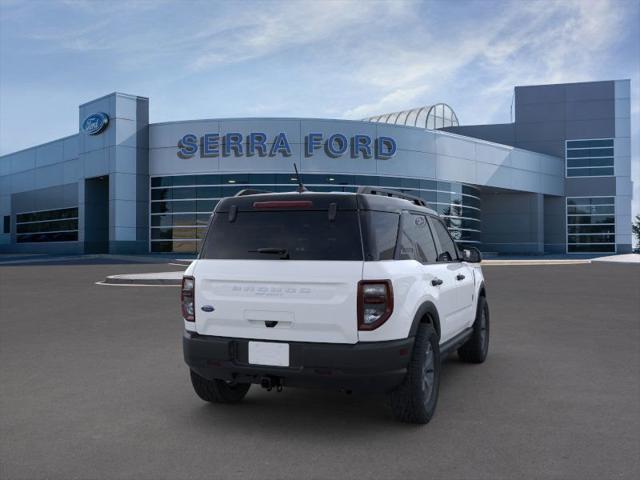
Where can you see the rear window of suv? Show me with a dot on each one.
(284, 234)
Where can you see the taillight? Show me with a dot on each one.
(375, 303)
(187, 299)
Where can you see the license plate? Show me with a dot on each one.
(267, 353)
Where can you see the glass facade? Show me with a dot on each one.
(182, 205)
(589, 158)
(59, 225)
(591, 225)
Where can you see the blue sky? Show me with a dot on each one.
(302, 58)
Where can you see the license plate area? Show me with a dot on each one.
(269, 353)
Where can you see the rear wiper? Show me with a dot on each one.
(283, 252)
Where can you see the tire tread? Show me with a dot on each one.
(406, 402)
(472, 350)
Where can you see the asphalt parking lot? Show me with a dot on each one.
(93, 386)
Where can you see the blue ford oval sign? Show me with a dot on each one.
(95, 123)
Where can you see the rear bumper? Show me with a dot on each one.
(370, 367)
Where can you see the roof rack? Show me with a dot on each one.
(250, 191)
(392, 193)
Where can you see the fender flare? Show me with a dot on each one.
(427, 308)
(482, 292)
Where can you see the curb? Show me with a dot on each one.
(521, 263)
(138, 280)
(174, 278)
(181, 261)
(629, 258)
(46, 258)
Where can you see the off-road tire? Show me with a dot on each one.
(475, 349)
(414, 401)
(218, 391)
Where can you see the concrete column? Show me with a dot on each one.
(121, 152)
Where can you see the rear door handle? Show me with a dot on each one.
(460, 277)
(436, 281)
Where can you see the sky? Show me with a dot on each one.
(324, 59)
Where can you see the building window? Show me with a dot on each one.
(589, 158)
(591, 225)
(182, 205)
(60, 225)
(7, 224)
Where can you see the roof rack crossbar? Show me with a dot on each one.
(392, 193)
(250, 191)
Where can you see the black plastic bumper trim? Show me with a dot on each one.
(370, 366)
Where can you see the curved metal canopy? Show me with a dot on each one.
(430, 117)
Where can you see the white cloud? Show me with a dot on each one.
(387, 104)
(330, 58)
(528, 43)
(263, 31)
(213, 34)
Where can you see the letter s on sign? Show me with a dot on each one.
(188, 146)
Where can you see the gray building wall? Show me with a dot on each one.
(504, 133)
(546, 116)
(421, 153)
(49, 198)
(119, 152)
(512, 222)
(34, 170)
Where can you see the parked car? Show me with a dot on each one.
(361, 291)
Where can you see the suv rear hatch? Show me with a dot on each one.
(281, 267)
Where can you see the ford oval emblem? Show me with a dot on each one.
(95, 123)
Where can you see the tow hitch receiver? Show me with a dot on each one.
(269, 382)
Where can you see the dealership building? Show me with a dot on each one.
(555, 180)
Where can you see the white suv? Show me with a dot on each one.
(361, 291)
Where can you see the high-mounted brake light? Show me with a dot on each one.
(284, 204)
(187, 299)
(375, 303)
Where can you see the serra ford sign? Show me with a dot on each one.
(258, 144)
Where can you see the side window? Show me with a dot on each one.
(407, 245)
(416, 242)
(447, 246)
(380, 234)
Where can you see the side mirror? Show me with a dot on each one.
(471, 255)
